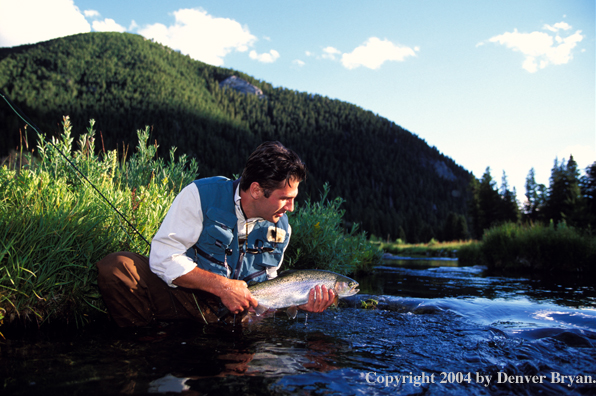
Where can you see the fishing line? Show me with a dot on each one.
(23, 117)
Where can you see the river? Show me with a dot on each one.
(437, 329)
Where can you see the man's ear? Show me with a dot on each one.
(255, 190)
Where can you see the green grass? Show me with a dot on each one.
(430, 249)
(54, 226)
(540, 249)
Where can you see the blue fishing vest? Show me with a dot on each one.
(217, 249)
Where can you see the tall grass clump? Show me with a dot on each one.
(319, 240)
(471, 254)
(540, 249)
(54, 226)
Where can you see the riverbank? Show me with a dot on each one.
(511, 248)
(421, 250)
(536, 248)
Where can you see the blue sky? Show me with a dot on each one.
(505, 84)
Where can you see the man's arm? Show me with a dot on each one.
(234, 294)
(180, 229)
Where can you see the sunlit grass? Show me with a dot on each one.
(430, 249)
(54, 226)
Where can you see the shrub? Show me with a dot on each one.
(319, 240)
(539, 248)
(54, 226)
(471, 254)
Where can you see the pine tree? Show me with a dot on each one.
(574, 202)
(564, 201)
(588, 191)
(474, 207)
(489, 201)
(455, 228)
(509, 209)
(535, 199)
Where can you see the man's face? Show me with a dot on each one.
(279, 202)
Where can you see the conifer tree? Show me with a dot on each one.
(489, 201)
(564, 201)
(509, 209)
(535, 198)
(474, 207)
(588, 191)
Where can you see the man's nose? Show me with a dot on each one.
(290, 205)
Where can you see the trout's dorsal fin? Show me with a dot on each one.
(292, 312)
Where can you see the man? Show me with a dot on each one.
(218, 235)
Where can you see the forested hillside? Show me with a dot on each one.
(394, 184)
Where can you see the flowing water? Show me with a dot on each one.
(437, 329)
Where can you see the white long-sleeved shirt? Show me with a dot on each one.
(181, 229)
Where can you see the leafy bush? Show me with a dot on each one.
(54, 226)
(319, 240)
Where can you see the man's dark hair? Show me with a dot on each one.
(271, 164)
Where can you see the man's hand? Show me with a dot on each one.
(236, 296)
(319, 299)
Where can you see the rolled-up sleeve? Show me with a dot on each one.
(180, 230)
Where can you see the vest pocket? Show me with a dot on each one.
(265, 254)
(215, 240)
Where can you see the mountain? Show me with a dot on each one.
(394, 184)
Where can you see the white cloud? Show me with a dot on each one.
(31, 21)
(539, 48)
(267, 57)
(557, 26)
(133, 25)
(330, 53)
(107, 25)
(91, 13)
(374, 53)
(202, 36)
(298, 62)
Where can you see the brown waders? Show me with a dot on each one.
(135, 296)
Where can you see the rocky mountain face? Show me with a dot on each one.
(242, 86)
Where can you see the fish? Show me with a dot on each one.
(291, 288)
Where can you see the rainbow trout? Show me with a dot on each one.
(291, 288)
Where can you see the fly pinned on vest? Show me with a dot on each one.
(217, 249)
